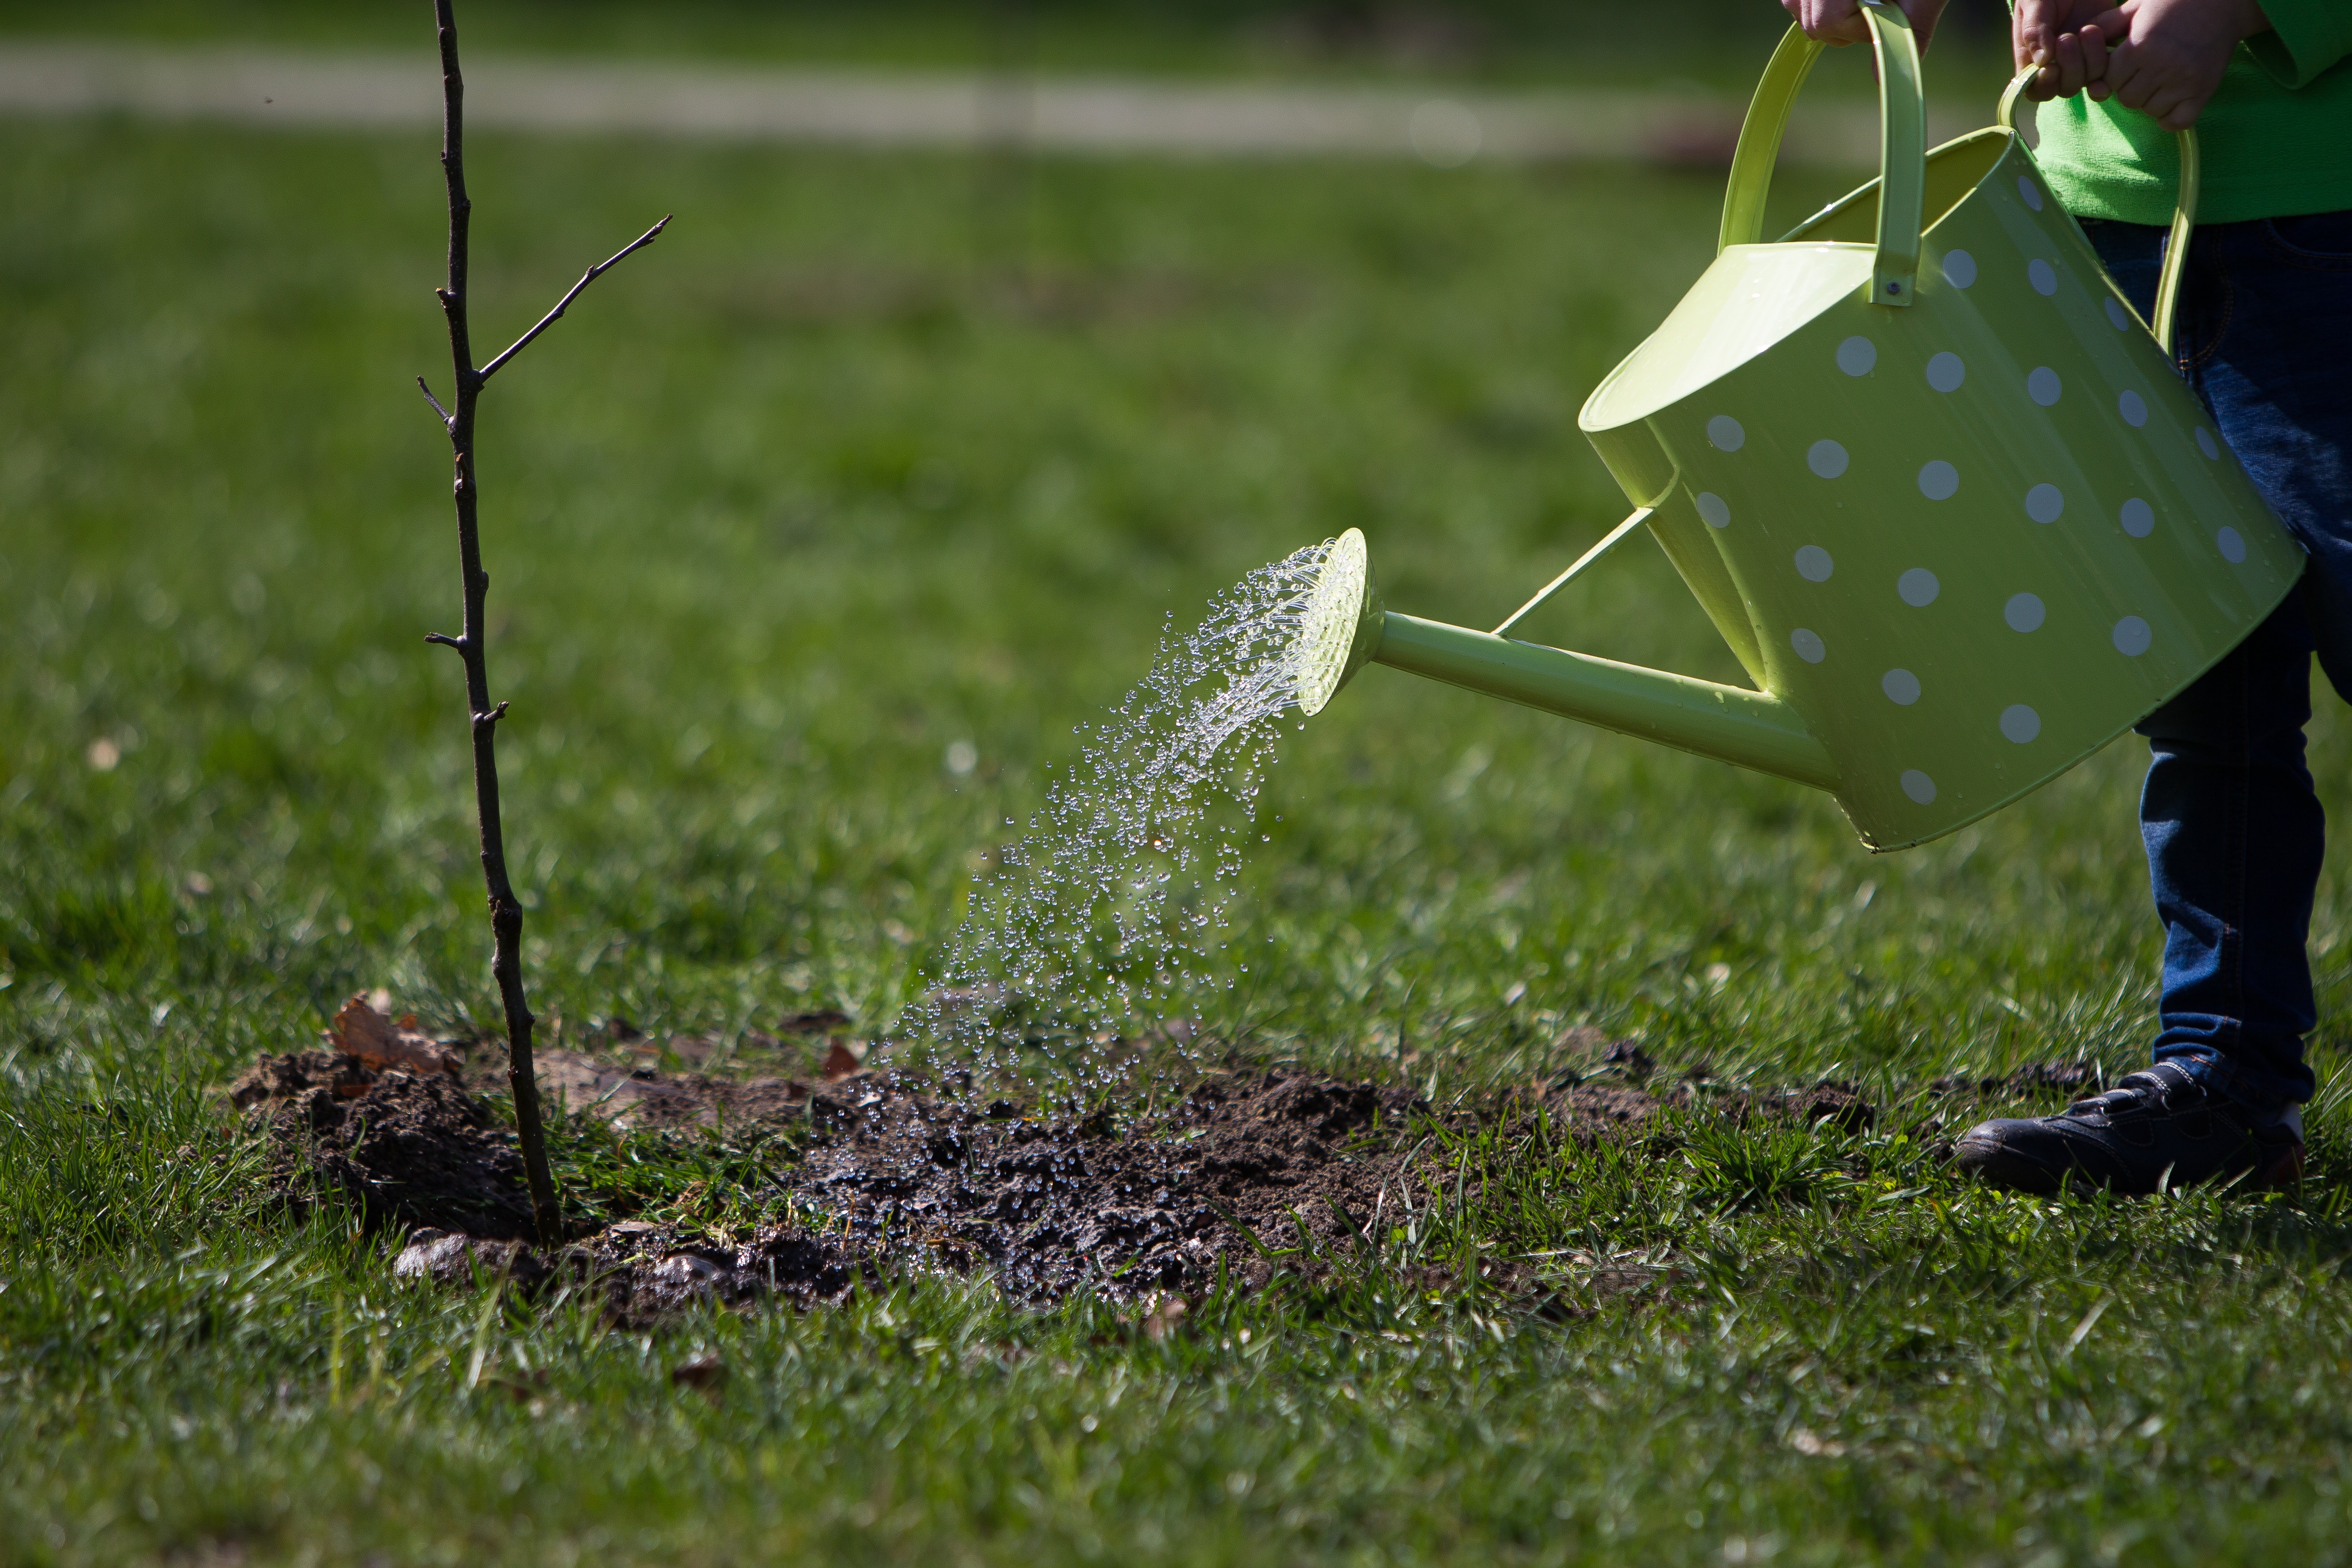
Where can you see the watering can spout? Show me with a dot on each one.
(1345, 628)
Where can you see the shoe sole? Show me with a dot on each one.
(1997, 1165)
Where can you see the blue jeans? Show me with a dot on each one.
(2233, 829)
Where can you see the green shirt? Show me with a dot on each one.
(2275, 141)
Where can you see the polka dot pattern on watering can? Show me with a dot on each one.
(1946, 372)
(2233, 546)
(1901, 686)
(2042, 275)
(2029, 193)
(2044, 386)
(1960, 269)
(1813, 564)
(2119, 315)
(2207, 444)
(1919, 786)
(2138, 518)
(1917, 587)
(2024, 612)
(2132, 637)
(1939, 481)
(1726, 433)
(1826, 459)
(1857, 355)
(1808, 644)
(2019, 724)
(1714, 509)
(2133, 408)
(2046, 503)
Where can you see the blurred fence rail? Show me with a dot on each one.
(1073, 114)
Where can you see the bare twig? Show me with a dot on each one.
(564, 304)
(505, 909)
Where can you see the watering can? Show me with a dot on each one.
(1926, 470)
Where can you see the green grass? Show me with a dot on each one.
(868, 456)
(1720, 45)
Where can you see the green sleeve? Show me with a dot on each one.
(2306, 37)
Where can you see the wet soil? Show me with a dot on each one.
(1250, 1175)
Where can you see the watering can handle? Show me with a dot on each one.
(2184, 219)
(1902, 148)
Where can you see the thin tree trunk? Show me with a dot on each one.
(483, 716)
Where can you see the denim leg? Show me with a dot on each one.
(2234, 834)
(2233, 829)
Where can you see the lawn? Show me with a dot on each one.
(1716, 45)
(871, 460)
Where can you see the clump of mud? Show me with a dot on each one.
(407, 1149)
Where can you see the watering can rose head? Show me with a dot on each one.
(1935, 483)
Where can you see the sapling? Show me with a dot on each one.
(471, 643)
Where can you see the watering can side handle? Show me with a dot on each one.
(1902, 148)
(1759, 139)
(2184, 218)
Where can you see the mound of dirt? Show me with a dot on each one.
(2035, 1081)
(407, 1149)
(1249, 1174)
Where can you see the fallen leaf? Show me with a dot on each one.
(703, 1372)
(1166, 1314)
(361, 1030)
(843, 1061)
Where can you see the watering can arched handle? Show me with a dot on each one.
(1902, 148)
(2184, 218)
(1903, 160)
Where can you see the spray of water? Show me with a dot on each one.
(1115, 902)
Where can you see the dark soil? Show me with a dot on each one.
(406, 1149)
(1051, 1206)
(2035, 1081)
(1249, 1175)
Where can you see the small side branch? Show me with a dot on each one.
(445, 640)
(564, 304)
(447, 417)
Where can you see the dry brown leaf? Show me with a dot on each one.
(1166, 1315)
(361, 1030)
(843, 1061)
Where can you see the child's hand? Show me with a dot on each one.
(1840, 23)
(2168, 56)
(2067, 39)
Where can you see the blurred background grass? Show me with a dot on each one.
(1716, 43)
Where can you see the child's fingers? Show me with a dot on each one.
(2070, 65)
(2127, 79)
(2091, 40)
(2175, 105)
(2034, 32)
(1835, 22)
(2183, 115)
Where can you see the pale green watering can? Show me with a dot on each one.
(1936, 483)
